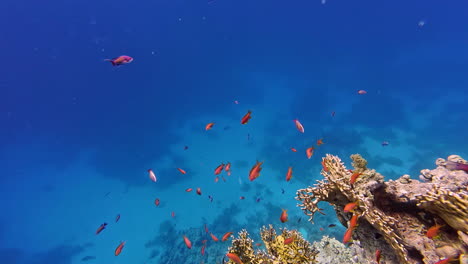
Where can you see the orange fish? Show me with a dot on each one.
(299, 125)
(433, 231)
(198, 191)
(124, 59)
(354, 177)
(119, 248)
(203, 250)
(156, 202)
(228, 167)
(100, 228)
(353, 221)
(255, 171)
(216, 179)
(245, 119)
(310, 152)
(289, 240)
(349, 207)
(214, 237)
(242, 197)
(289, 174)
(294, 150)
(284, 216)
(206, 229)
(226, 236)
(324, 166)
(348, 236)
(181, 171)
(377, 256)
(188, 189)
(444, 261)
(234, 257)
(172, 214)
(152, 176)
(209, 126)
(187, 242)
(219, 169)
(258, 244)
(320, 142)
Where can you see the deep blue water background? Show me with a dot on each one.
(193, 58)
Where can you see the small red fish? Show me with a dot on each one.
(354, 177)
(245, 119)
(100, 228)
(181, 171)
(214, 237)
(151, 175)
(255, 171)
(324, 166)
(320, 142)
(284, 216)
(349, 207)
(117, 218)
(187, 242)
(299, 125)
(156, 202)
(294, 150)
(124, 59)
(289, 240)
(258, 244)
(228, 167)
(188, 189)
(444, 261)
(226, 236)
(219, 169)
(172, 214)
(377, 256)
(361, 92)
(242, 197)
(198, 191)
(209, 126)
(206, 229)
(348, 236)
(216, 179)
(433, 231)
(119, 248)
(353, 221)
(310, 152)
(234, 257)
(203, 250)
(289, 174)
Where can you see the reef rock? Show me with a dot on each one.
(394, 216)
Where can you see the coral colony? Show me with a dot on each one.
(393, 222)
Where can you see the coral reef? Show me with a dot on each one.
(332, 251)
(278, 251)
(395, 216)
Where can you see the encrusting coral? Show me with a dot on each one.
(297, 251)
(395, 216)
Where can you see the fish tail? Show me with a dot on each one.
(111, 61)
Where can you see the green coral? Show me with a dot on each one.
(300, 251)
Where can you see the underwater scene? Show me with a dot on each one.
(234, 131)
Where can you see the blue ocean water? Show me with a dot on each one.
(78, 135)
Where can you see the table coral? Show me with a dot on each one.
(394, 216)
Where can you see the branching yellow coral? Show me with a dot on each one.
(299, 251)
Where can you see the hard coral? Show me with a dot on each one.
(300, 251)
(394, 216)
